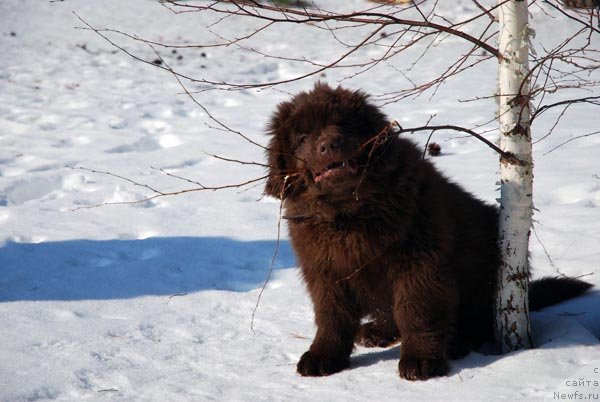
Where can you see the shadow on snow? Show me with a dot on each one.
(119, 269)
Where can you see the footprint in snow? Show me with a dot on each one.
(67, 315)
(27, 190)
(585, 194)
(154, 126)
(148, 144)
(49, 122)
(149, 254)
(149, 332)
(184, 164)
(117, 123)
(128, 255)
(42, 394)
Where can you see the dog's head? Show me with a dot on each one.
(321, 142)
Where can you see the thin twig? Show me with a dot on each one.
(571, 139)
(273, 258)
(160, 194)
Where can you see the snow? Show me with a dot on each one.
(153, 301)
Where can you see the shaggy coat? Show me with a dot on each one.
(380, 235)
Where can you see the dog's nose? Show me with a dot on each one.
(329, 145)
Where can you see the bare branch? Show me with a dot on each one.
(594, 100)
(572, 139)
(273, 258)
(505, 155)
(586, 24)
(251, 9)
(159, 194)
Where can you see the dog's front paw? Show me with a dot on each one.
(312, 365)
(414, 368)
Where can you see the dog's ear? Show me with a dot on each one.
(278, 151)
(276, 181)
(363, 115)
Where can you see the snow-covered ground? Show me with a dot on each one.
(153, 301)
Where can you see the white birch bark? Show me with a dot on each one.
(512, 307)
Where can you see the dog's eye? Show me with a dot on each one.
(300, 140)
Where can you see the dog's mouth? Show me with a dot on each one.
(336, 169)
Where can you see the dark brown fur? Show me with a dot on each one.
(384, 236)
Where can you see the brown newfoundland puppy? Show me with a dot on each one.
(381, 235)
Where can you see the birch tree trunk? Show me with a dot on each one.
(512, 307)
